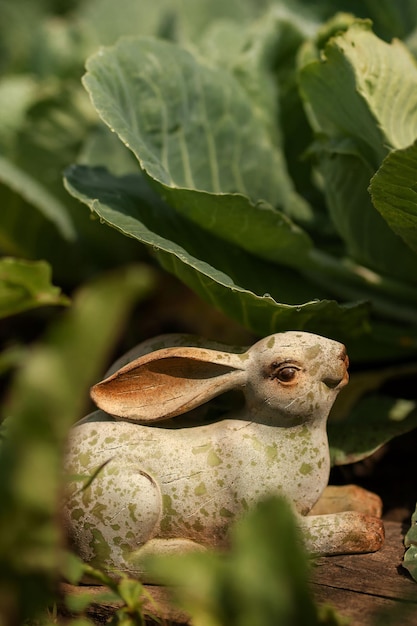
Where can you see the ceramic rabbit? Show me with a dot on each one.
(161, 486)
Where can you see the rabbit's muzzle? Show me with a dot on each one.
(340, 377)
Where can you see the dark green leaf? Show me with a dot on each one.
(38, 196)
(374, 421)
(241, 285)
(368, 237)
(394, 193)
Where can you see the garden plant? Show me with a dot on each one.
(264, 155)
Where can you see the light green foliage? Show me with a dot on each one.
(45, 120)
(26, 285)
(125, 592)
(48, 395)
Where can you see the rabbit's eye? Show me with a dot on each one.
(287, 374)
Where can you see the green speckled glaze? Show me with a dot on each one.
(163, 489)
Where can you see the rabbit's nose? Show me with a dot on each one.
(344, 357)
(341, 378)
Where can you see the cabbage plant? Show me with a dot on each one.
(274, 173)
(262, 150)
(283, 197)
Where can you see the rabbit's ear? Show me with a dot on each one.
(169, 382)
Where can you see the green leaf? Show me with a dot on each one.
(262, 58)
(390, 19)
(26, 285)
(104, 148)
(257, 55)
(244, 287)
(72, 567)
(39, 220)
(388, 298)
(366, 234)
(193, 130)
(47, 396)
(394, 193)
(360, 107)
(16, 34)
(365, 89)
(190, 125)
(258, 229)
(131, 592)
(26, 233)
(191, 20)
(410, 542)
(363, 418)
(17, 94)
(38, 196)
(374, 421)
(102, 25)
(79, 602)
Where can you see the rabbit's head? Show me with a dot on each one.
(286, 378)
(294, 376)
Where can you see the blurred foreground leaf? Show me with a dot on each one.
(47, 397)
(410, 541)
(127, 593)
(38, 196)
(26, 285)
(262, 580)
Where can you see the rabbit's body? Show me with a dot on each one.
(203, 476)
(161, 489)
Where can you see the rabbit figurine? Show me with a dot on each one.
(159, 484)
